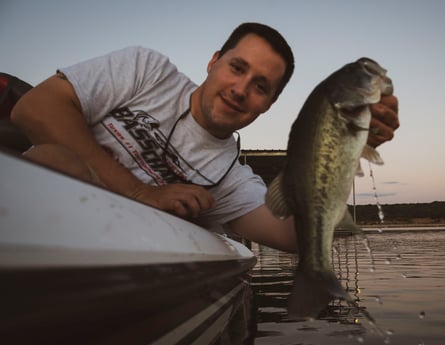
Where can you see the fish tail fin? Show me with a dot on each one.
(312, 292)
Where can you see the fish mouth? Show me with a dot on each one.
(380, 82)
(352, 111)
(371, 66)
(370, 94)
(360, 84)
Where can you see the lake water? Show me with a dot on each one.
(404, 293)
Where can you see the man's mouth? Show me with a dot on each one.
(232, 104)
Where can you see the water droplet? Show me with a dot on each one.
(404, 275)
(387, 340)
(422, 315)
(371, 255)
(360, 339)
(380, 230)
(376, 197)
(381, 215)
(378, 300)
(388, 261)
(398, 257)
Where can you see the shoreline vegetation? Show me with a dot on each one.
(401, 215)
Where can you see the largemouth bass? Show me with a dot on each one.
(325, 144)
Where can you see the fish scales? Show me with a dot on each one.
(324, 148)
(316, 209)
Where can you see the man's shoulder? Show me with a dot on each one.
(242, 179)
(139, 51)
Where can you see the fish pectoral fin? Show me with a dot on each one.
(312, 291)
(275, 200)
(347, 227)
(371, 154)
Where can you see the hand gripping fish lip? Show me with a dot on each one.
(371, 83)
(374, 69)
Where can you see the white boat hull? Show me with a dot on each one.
(80, 264)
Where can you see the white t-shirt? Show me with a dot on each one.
(133, 100)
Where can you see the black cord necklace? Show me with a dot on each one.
(211, 182)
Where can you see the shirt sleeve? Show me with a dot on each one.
(113, 80)
(239, 193)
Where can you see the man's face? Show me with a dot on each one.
(240, 86)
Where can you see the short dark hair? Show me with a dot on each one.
(273, 37)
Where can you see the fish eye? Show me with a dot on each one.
(371, 66)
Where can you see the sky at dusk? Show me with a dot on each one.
(405, 36)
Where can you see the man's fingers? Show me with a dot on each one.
(379, 133)
(384, 121)
(178, 208)
(187, 200)
(387, 111)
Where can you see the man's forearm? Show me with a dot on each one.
(51, 114)
(262, 227)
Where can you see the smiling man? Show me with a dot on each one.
(241, 84)
(134, 124)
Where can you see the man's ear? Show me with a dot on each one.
(215, 58)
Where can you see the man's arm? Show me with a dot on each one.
(51, 113)
(261, 226)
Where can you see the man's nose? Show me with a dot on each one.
(239, 89)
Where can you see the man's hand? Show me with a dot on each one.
(183, 200)
(384, 121)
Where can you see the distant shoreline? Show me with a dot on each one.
(403, 225)
(397, 215)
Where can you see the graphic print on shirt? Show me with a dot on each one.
(139, 135)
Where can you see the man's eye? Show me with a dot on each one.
(236, 68)
(262, 88)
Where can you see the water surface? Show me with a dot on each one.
(402, 288)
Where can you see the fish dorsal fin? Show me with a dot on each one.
(275, 200)
(347, 227)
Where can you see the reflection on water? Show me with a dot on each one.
(403, 291)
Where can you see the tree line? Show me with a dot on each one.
(426, 213)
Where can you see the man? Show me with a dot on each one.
(131, 122)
